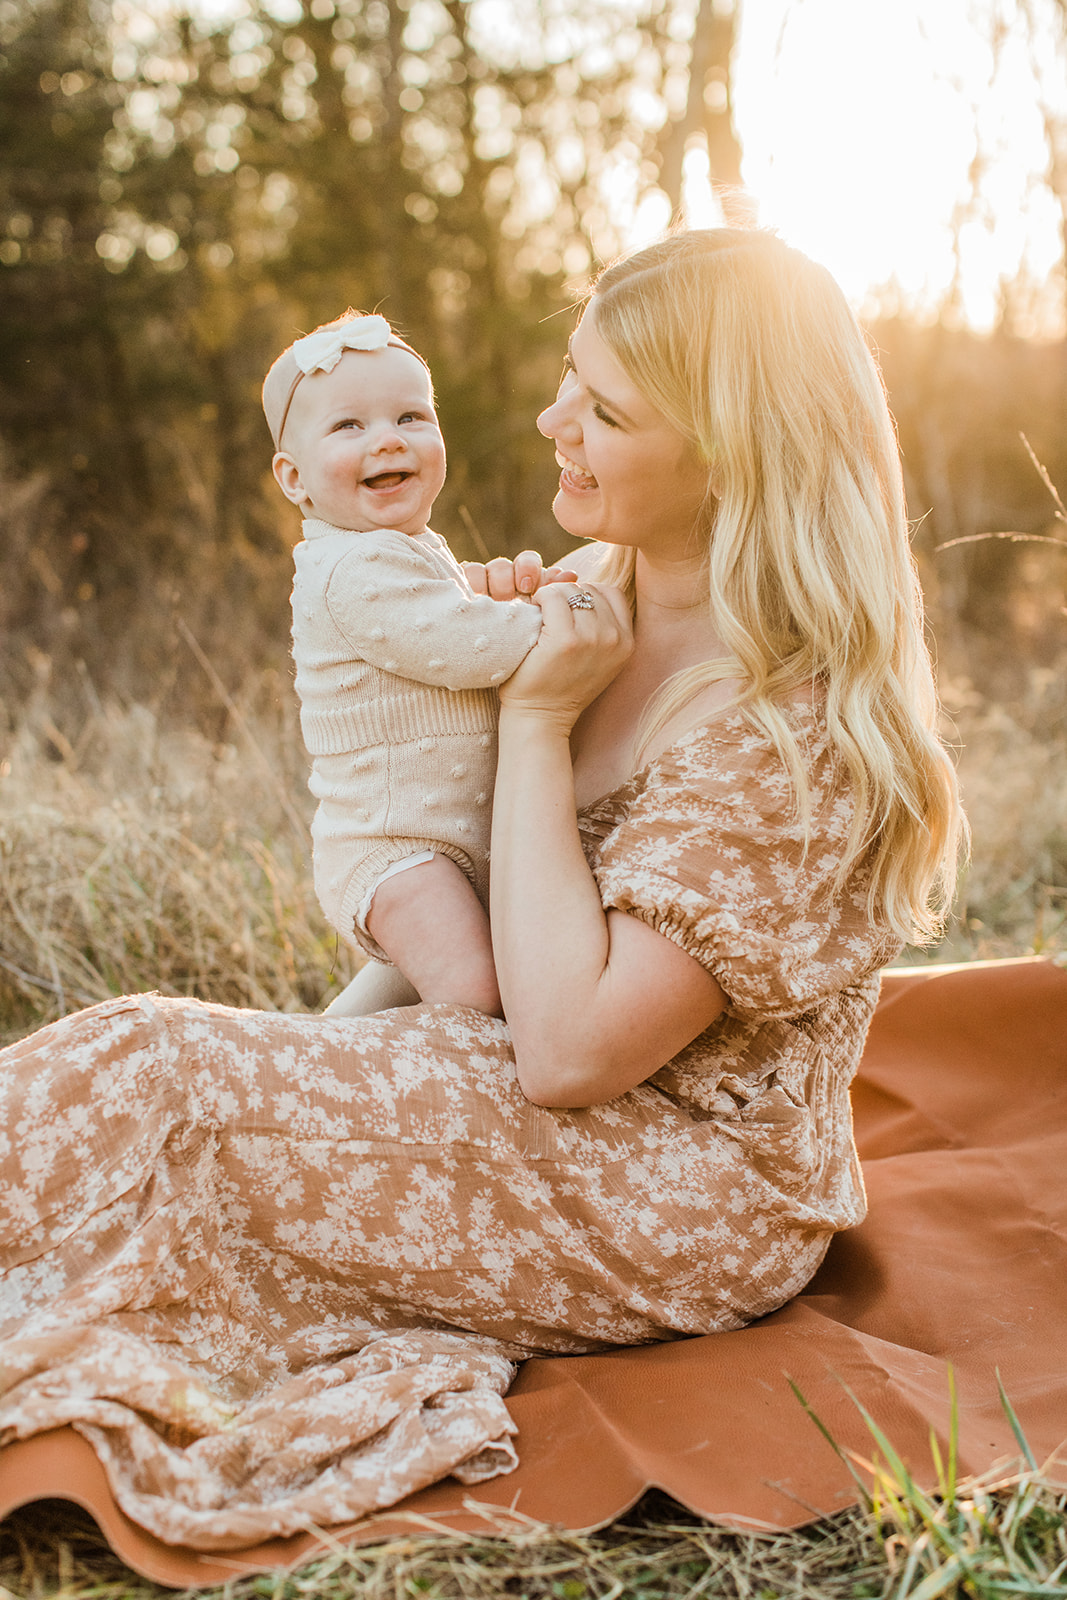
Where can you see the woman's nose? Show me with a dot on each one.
(553, 418)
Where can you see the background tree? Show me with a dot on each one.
(184, 191)
(707, 119)
(184, 195)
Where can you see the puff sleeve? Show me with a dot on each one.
(711, 854)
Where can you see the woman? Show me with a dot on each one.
(275, 1268)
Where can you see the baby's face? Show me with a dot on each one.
(363, 449)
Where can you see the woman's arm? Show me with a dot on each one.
(596, 1001)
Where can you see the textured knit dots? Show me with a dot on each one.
(498, 677)
(415, 700)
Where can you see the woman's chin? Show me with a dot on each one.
(567, 510)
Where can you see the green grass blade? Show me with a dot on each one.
(831, 1441)
(1016, 1426)
(942, 1580)
(939, 1465)
(1032, 1587)
(907, 1488)
(953, 1435)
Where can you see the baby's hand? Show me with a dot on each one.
(504, 579)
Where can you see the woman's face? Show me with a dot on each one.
(628, 476)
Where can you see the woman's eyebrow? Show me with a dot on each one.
(601, 399)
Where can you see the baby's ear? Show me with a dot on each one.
(287, 474)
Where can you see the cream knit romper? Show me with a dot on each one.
(397, 666)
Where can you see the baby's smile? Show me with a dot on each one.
(386, 480)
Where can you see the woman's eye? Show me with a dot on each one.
(568, 378)
(603, 416)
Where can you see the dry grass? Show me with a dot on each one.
(994, 1538)
(1012, 898)
(138, 857)
(135, 854)
(1013, 766)
(658, 1552)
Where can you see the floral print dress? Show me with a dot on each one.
(278, 1269)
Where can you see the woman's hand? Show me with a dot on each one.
(596, 1001)
(579, 651)
(505, 579)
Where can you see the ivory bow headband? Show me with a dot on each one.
(320, 352)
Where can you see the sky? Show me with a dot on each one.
(861, 121)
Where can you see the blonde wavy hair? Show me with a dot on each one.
(750, 350)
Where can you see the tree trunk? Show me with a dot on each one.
(708, 114)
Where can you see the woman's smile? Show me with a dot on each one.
(574, 479)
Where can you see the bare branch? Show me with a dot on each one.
(1016, 538)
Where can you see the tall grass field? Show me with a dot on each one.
(138, 853)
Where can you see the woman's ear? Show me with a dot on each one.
(287, 474)
(713, 467)
(715, 474)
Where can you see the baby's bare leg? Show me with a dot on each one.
(430, 922)
(375, 987)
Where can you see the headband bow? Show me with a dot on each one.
(320, 352)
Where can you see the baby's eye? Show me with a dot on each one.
(412, 416)
(347, 422)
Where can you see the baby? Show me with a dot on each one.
(397, 661)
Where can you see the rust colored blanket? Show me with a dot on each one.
(961, 1118)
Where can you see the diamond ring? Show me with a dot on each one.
(581, 601)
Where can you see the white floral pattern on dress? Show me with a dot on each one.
(278, 1269)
